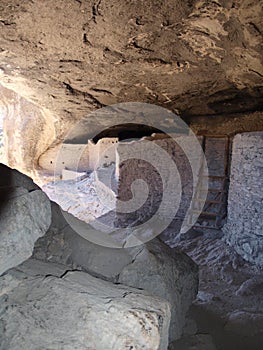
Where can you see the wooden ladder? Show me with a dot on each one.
(215, 208)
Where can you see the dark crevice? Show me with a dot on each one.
(89, 97)
(67, 271)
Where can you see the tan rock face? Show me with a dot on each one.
(28, 131)
(196, 57)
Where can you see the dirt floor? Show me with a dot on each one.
(229, 304)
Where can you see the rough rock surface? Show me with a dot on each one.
(229, 301)
(167, 274)
(228, 285)
(28, 130)
(154, 267)
(163, 182)
(244, 229)
(195, 57)
(24, 217)
(44, 307)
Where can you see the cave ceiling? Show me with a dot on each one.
(192, 57)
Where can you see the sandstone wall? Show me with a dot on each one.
(28, 131)
(244, 224)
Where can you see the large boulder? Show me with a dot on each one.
(153, 266)
(24, 217)
(166, 273)
(42, 306)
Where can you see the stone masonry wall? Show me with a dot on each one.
(133, 169)
(81, 157)
(243, 230)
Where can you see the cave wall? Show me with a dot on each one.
(28, 130)
(244, 224)
(198, 57)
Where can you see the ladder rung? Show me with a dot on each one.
(216, 177)
(204, 213)
(210, 189)
(214, 202)
(209, 214)
(204, 227)
(207, 201)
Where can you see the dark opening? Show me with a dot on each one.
(127, 131)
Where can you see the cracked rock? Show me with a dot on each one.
(35, 310)
(154, 267)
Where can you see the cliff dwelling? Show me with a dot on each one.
(131, 143)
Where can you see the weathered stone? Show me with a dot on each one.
(227, 283)
(243, 230)
(251, 287)
(154, 267)
(171, 170)
(212, 48)
(24, 218)
(198, 58)
(28, 131)
(73, 310)
(25, 215)
(101, 261)
(166, 273)
(11, 178)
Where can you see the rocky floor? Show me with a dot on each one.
(229, 303)
(76, 196)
